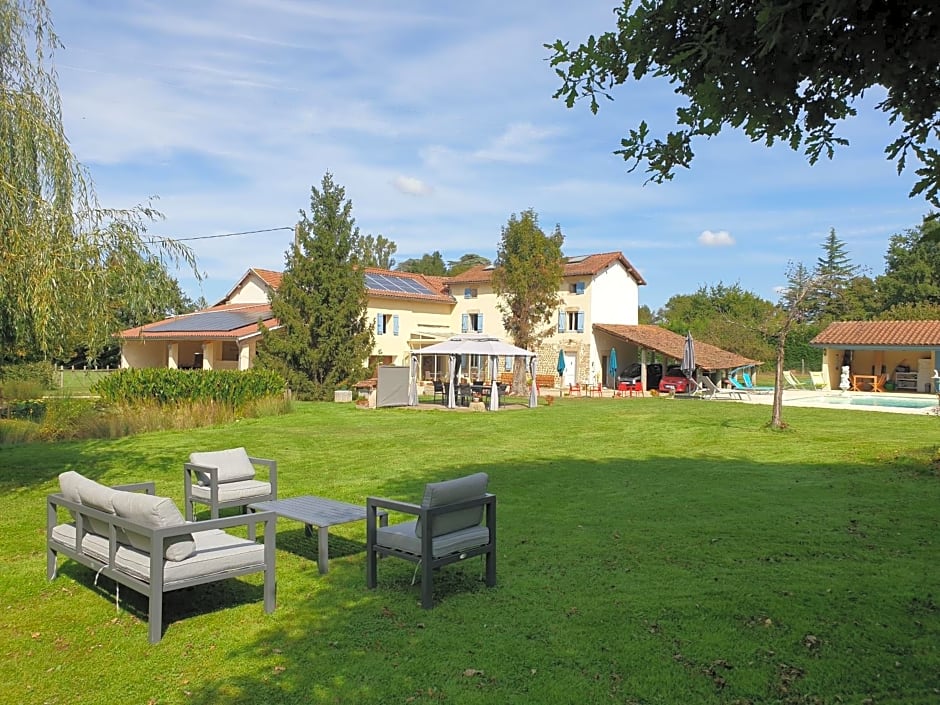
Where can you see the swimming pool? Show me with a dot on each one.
(875, 401)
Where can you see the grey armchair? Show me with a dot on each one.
(456, 520)
(226, 478)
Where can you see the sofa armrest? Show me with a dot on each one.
(394, 505)
(271, 465)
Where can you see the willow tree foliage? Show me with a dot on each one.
(58, 247)
(779, 71)
(324, 336)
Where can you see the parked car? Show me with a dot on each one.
(674, 381)
(631, 374)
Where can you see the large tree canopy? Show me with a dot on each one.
(780, 71)
(58, 248)
(528, 274)
(324, 336)
(431, 264)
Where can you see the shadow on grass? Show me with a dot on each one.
(664, 580)
(178, 605)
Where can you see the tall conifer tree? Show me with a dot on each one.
(324, 336)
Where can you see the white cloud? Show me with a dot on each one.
(411, 186)
(521, 143)
(721, 238)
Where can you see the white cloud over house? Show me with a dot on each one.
(716, 238)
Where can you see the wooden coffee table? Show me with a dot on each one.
(319, 512)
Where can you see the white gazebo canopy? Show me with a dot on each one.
(472, 345)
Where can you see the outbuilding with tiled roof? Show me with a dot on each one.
(905, 352)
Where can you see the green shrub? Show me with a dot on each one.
(66, 418)
(13, 431)
(39, 373)
(163, 386)
(20, 390)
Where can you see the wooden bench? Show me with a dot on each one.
(543, 381)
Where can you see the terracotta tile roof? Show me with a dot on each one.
(899, 334)
(586, 265)
(271, 278)
(672, 345)
(146, 331)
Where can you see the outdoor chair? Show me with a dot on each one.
(439, 390)
(713, 391)
(817, 380)
(456, 520)
(791, 381)
(226, 478)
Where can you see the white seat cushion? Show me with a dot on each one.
(153, 513)
(233, 464)
(231, 491)
(78, 488)
(216, 553)
(404, 538)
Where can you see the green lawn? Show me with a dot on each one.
(650, 551)
(78, 381)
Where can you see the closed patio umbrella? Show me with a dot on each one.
(612, 367)
(688, 357)
(561, 369)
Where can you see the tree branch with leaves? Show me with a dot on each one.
(780, 72)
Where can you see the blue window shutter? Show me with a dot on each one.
(380, 324)
(395, 324)
(508, 364)
(466, 293)
(561, 321)
(579, 288)
(464, 322)
(479, 323)
(580, 321)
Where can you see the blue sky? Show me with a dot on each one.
(439, 121)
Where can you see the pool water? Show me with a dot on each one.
(878, 400)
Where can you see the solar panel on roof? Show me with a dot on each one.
(210, 320)
(577, 258)
(397, 285)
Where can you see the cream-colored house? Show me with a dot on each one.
(598, 288)
(409, 312)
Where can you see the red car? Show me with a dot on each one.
(674, 381)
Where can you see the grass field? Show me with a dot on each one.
(650, 551)
(78, 382)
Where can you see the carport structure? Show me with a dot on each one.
(639, 341)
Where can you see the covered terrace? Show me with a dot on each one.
(641, 343)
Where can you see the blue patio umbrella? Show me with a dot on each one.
(612, 365)
(561, 363)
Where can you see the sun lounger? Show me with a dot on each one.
(712, 391)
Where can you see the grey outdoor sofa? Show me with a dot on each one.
(455, 521)
(141, 541)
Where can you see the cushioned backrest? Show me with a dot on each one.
(78, 488)
(439, 494)
(153, 513)
(233, 464)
